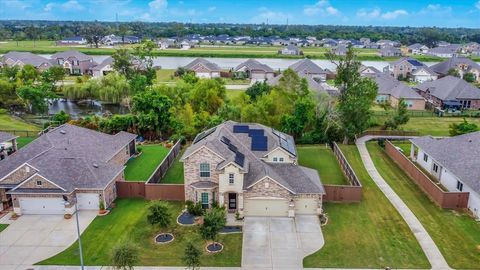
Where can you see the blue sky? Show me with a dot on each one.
(442, 13)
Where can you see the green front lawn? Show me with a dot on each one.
(3, 227)
(127, 222)
(166, 75)
(233, 94)
(8, 122)
(404, 145)
(323, 160)
(174, 174)
(22, 141)
(140, 168)
(456, 234)
(369, 234)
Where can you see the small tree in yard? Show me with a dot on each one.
(399, 118)
(213, 221)
(191, 256)
(159, 214)
(462, 128)
(124, 256)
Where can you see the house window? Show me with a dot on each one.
(39, 183)
(425, 157)
(281, 159)
(204, 200)
(435, 167)
(231, 178)
(204, 170)
(275, 159)
(459, 186)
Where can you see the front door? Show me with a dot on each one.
(232, 201)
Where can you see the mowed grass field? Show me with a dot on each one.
(369, 234)
(8, 122)
(456, 234)
(322, 159)
(140, 168)
(127, 222)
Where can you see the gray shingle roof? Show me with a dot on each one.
(72, 53)
(202, 62)
(458, 154)
(450, 88)
(295, 178)
(4, 137)
(27, 58)
(71, 157)
(443, 67)
(254, 65)
(307, 66)
(107, 61)
(390, 86)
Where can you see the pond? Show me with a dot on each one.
(80, 109)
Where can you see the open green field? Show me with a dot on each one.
(140, 168)
(456, 234)
(128, 222)
(3, 227)
(233, 94)
(174, 174)
(48, 47)
(166, 75)
(323, 160)
(369, 234)
(435, 126)
(8, 122)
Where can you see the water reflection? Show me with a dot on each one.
(84, 108)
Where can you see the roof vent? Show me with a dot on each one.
(63, 131)
(95, 165)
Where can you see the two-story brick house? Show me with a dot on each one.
(69, 162)
(74, 62)
(250, 169)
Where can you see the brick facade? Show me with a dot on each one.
(32, 183)
(19, 175)
(121, 157)
(267, 188)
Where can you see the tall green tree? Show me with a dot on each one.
(258, 89)
(36, 97)
(124, 256)
(191, 256)
(213, 222)
(302, 117)
(159, 214)
(153, 111)
(399, 118)
(122, 62)
(94, 32)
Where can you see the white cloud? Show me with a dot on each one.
(211, 9)
(145, 17)
(48, 7)
(477, 5)
(369, 14)
(270, 15)
(15, 4)
(376, 13)
(435, 9)
(391, 15)
(72, 5)
(321, 7)
(158, 4)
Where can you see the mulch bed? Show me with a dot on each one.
(164, 238)
(214, 247)
(186, 219)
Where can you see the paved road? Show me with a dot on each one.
(33, 238)
(279, 243)
(429, 247)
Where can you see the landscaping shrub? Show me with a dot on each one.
(159, 214)
(125, 256)
(381, 142)
(194, 208)
(191, 256)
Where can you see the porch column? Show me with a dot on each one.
(221, 199)
(240, 203)
(14, 145)
(412, 152)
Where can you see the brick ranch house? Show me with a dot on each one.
(68, 161)
(250, 169)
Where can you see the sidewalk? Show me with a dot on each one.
(429, 247)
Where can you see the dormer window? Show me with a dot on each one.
(275, 159)
(204, 170)
(281, 159)
(39, 183)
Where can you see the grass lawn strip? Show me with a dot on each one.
(323, 160)
(22, 141)
(128, 222)
(140, 168)
(456, 234)
(8, 122)
(3, 227)
(370, 234)
(174, 174)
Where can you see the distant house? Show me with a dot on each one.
(391, 90)
(309, 68)
(388, 43)
(408, 67)
(185, 45)
(417, 48)
(21, 59)
(8, 146)
(72, 41)
(462, 65)
(329, 43)
(204, 68)
(255, 70)
(252, 170)
(102, 69)
(450, 93)
(166, 43)
(368, 70)
(446, 51)
(453, 162)
(390, 51)
(340, 50)
(291, 50)
(74, 62)
(470, 47)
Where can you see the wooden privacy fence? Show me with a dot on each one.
(167, 162)
(170, 192)
(444, 199)
(388, 133)
(23, 133)
(344, 193)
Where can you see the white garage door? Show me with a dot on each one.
(306, 206)
(42, 206)
(88, 201)
(266, 207)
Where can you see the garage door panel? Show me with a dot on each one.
(42, 206)
(88, 201)
(306, 206)
(266, 207)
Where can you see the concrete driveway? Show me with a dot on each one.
(279, 243)
(33, 238)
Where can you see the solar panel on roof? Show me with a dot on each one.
(225, 140)
(255, 132)
(202, 135)
(259, 143)
(232, 148)
(415, 63)
(240, 129)
(240, 159)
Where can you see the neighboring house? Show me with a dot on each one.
(8, 146)
(102, 69)
(309, 68)
(388, 43)
(454, 163)
(291, 50)
(462, 65)
(185, 45)
(446, 51)
(417, 48)
(390, 51)
(74, 62)
(21, 59)
(450, 93)
(392, 90)
(413, 69)
(68, 165)
(470, 47)
(72, 41)
(255, 70)
(204, 68)
(166, 43)
(368, 70)
(340, 50)
(250, 169)
(317, 87)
